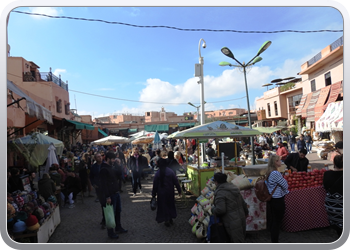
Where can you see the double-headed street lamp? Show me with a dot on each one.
(227, 52)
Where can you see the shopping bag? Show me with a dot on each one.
(153, 203)
(109, 216)
(218, 233)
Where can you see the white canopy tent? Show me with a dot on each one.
(332, 118)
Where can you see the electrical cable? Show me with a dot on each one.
(128, 100)
(174, 28)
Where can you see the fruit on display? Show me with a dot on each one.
(301, 180)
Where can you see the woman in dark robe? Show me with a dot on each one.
(163, 188)
(333, 184)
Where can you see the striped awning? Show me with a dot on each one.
(307, 101)
(333, 96)
(311, 107)
(301, 105)
(321, 101)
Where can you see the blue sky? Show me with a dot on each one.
(156, 65)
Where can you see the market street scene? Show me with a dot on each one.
(137, 148)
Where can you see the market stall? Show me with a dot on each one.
(305, 208)
(217, 129)
(110, 140)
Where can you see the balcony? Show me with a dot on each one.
(44, 76)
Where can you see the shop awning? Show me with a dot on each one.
(102, 132)
(266, 130)
(311, 107)
(301, 105)
(189, 124)
(132, 130)
(307, 101)
(33, 108)
(321, 101)
(157, 127)
(81, 125)
(333, 114)
(241, 121)
(333, 96)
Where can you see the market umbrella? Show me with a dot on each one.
(281, 83)
(288, 78)
(217, 129)
(266, 85)
(34, 146)
(143, 140)
(157, 143)
(111, 139)
(277, 80)
(51, 157)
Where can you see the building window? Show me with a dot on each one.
(268, 109)
(67, 109)
(293, 102)
(313, 85)
(148, 113)
(328, 79)
(59, 106)
(276, 108)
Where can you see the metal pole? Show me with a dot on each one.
(201, 82)
(249, 118)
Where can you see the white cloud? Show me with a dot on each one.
(51, 11)
(58, 72)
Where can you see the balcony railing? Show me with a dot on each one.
(314, 59)
(337, 43)
(44, 76)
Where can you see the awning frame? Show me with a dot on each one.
(32, 107)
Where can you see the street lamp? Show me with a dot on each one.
(197, 107)
(199, 72)
(227, 52)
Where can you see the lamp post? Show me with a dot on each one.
(227, 52)
(199, 73)
(197, 107)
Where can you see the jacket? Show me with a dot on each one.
(46, 187)
(142, 162)
(230, 206)
(110, 178)
(308, 139)
(291, 139)
(301, 144)
(282, 152)
(295, 161)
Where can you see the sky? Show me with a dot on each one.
(123, 69)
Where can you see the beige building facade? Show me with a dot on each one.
(320, 83)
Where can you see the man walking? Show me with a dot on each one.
(110, 178)
(136, 164)
(292, 141)
(95, 182)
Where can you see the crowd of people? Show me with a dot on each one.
(102, 171)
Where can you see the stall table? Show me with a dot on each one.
(305, 210)
(256, 219)
(200, 176)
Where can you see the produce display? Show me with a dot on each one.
(301, 180)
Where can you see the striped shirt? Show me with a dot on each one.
(274, 179)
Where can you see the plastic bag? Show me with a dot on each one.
(109, 216)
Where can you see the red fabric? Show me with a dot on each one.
(305, 210)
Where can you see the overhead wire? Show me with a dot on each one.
(172, 27)
(128, 100)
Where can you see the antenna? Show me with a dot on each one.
(75, 103)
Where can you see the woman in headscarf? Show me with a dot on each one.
(163, 188)
(230, 207)
(173, 164)
(46, 186)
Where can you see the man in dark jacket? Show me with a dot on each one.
(136, 164)
(297, 161)
(291, 141)
(210, 152)
(110, 178)
(301, 143)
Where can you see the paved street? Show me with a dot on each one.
(81, 224)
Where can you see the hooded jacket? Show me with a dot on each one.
(232, 210)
